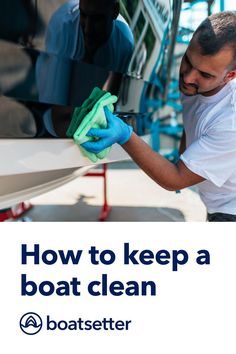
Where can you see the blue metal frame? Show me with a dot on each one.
(161, 126)
(222, 5)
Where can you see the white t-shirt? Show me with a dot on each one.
(210, 126)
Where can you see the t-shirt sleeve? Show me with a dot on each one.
(212, 156)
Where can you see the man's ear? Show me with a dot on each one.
(116, 10)
(230, 76)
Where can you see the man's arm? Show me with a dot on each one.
(168, 175)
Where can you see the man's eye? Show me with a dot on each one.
(206, 76)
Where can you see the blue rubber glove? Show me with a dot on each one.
(116, 132)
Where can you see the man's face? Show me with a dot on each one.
(205, 74)
(96, 18)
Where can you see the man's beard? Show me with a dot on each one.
(186, 93)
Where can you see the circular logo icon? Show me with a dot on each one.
(31, 323)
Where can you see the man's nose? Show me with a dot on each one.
(190, 76)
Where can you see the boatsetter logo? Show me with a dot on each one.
(31, 323)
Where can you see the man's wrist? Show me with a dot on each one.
(128, 135)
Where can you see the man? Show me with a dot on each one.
(208, 147)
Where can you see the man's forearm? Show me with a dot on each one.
(168, 175)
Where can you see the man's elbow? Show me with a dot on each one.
(172, 187)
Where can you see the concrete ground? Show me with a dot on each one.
(132, 195)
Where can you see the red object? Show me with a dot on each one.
(14, 212)
(105, 208)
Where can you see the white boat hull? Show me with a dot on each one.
(33, 167)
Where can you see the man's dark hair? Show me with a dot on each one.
(216, 32)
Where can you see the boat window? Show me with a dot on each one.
(149, 41)
(53, 53)
(139, 26)
(128, 9)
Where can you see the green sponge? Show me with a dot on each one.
(96, 118)
(81, 112)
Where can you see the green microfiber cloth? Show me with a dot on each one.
(96, 118)
(81, 112)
